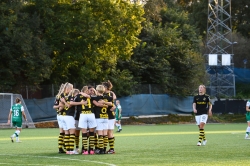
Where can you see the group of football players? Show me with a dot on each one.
(89, 111)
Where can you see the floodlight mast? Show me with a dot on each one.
(219, 42)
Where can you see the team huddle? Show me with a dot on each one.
(91, 111)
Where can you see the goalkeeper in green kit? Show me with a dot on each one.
(16, 113)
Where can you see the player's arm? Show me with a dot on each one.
(247, 106)
(64, 102)
(9, 117)
(120, 111)
(74, 103)
(60, 106)
(24, 115)
(99, 104)
(109, 102)
(114, 96)
(56, 104)
(85, 95)
(56, 107)
(113, 108)
(194, 108)
(210, 109)
(106, 102)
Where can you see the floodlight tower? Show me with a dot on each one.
(219, 49)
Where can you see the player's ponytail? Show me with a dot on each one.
(60, 91)
(18, 100)
(108, 85)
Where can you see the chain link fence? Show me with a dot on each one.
(45, 91)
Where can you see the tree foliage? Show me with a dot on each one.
(241, 17)
(53, 41)
(88, 40)
(168, 53)
(24, 55)
(199, 9)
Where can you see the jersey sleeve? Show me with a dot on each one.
(194, 99)
(248, 103)
(94, 98)
(71, 98)
(56, 101)
(76, 99)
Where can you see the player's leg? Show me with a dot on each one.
(117, 122)
(203, 121)
(96, 149)
(99, 131)
(61, 136)
(120, 124)
(198, 121)
(91, 124)
(18, 131)
(83, 126)
(77, 135)
(84, 141)
(66, 134)
(18, 125)
(105, 135)
(61, 141)
(14, 134)
(111, 138)
(248, 125)
(71, 127)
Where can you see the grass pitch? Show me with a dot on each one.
(135, 145)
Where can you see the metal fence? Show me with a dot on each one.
(6, 101)
(44, 91)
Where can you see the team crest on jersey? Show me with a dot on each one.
(204, 98)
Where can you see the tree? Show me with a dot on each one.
(25, 55)
(241, 51)
(198, 10)
(88, 37)
(169, 53)
(54, 41)
(241, 17)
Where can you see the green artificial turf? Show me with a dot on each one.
(155, 145)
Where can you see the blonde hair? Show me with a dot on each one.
(84, 88)
(67, 86)
(203, 87)
(64, 87)
(73, 92)
(100, 89)
(60, 91)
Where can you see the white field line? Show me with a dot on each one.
(61, 158)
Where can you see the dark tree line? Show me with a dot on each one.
(56, 41)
